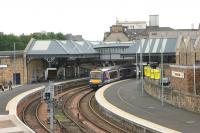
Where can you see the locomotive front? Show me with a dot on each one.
(96, 79)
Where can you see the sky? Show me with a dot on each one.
(91, 18)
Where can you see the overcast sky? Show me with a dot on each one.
(91, 18)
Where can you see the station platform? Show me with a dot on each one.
(124, 98)
(8, 120)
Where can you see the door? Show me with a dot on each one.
(16, 78)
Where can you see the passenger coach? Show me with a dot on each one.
(102, 76)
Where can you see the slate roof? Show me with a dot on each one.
(56, 47)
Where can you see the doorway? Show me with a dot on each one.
(16, 78)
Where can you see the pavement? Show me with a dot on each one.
(127, 96)
(7, 95)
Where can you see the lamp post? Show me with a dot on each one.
(149, 50)
(141, 66)
(162, 75)
(136, 66)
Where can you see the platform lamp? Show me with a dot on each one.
(14, 65)
(141, 66)
(162, 73)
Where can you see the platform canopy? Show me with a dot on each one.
(153, 46)
(57, 48)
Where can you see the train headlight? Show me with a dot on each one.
(95, 81)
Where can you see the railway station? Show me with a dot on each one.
(139, 79)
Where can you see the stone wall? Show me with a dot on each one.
(177, 98)
(35, 71)
(6, 74)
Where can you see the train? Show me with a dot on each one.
(101, 76)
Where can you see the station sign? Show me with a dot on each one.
(178, 74)
(3, 66)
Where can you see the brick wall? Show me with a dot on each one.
(185, 84)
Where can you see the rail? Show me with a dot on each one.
(15, 105)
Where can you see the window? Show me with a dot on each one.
(95, 75)
(113, 75)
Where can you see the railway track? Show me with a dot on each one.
(78, 108)
(86, 106)
(74, 113)
(30, 117)
(67, 122)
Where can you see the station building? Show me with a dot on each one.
(12, 67)
(54, 59)
(76, 58)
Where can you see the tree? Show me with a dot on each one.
(7, 41)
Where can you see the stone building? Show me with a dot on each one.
(188, 51)
(10, 69)
(132, 30)
(117, 34)
(186, 73)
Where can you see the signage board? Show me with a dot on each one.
(178, 74)
(3, 66)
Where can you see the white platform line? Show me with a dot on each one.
(11, 130)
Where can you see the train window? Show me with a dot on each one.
(113, 74)
(95, 75)
(105, 77)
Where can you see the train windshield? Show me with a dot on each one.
(95, 75)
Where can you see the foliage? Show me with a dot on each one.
(7, 41)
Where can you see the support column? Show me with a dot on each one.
(104, 64)
(64, 73)
(74, 71)
(78, 71)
